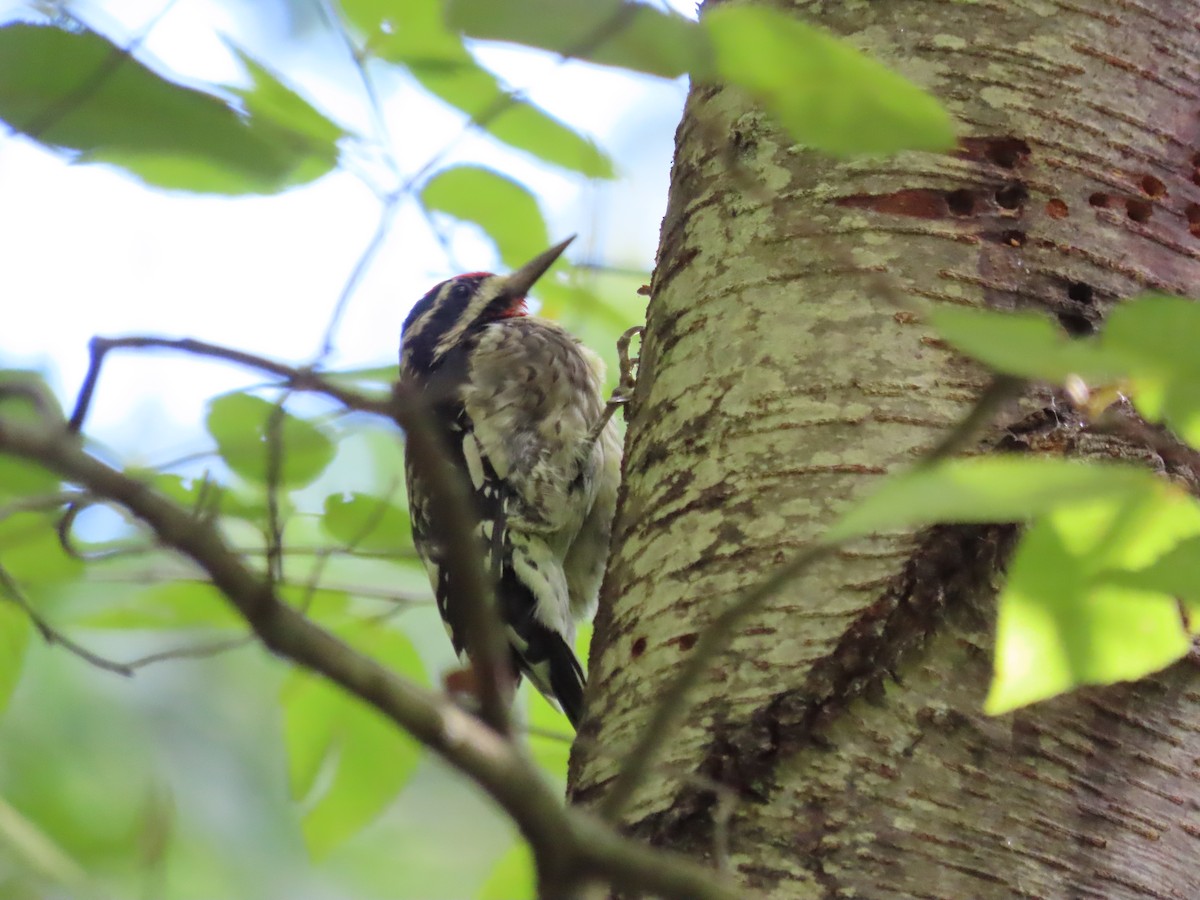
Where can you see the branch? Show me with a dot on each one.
(51, 635)
(454, 528)
(569, 845)
(297, 379)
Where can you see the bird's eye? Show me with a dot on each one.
(460, 291)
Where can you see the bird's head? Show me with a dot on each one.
(457, 307)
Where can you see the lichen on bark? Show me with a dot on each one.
(786, 369)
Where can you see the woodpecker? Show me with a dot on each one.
(519, 403)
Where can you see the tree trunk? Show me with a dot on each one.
(783, 374)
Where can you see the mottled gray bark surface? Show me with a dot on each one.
(783, 375)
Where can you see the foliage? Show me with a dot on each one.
(1102, 587)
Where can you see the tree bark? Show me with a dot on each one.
(784, 373)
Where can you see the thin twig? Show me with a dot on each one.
(43, 503)
(456, 529)
(454, 526)
(672, 704)
(274, 465)
(568, 842)
(387, 216)
(1000, 390)
(87, 88)
(626, 382)
(190, 651)
(50, 634)
(297, 379)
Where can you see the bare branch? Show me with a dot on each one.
(626, 382)
(387, 216)
(297, 379)
(190, 651)
(456, 530)
(454, 527)
(51, 635)
(569, 845)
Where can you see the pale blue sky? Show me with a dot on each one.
(87, 250)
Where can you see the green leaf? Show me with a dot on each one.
(77, 90)
(629, 35)
(274, 104)
(518, 123)
(366, 522)
(241, 425)
(168, 606)
(824, 92)
(989, 489)
(513, 876)
(413, 35)
(505, 209)
(19, 478)
(203, 496)
(31, 553)
(550, 753)
(1155, 338)
(1176, 574)
(15, 631)
(1028, 345)
(24, 479)
(1068, 617)
(369, 757)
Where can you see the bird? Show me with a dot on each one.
(519, 405)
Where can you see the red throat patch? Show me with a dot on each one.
(518, 308)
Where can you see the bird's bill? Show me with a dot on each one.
(519, 282)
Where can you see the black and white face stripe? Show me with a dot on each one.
(435, 317)
(446, 315)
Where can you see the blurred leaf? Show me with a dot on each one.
(629, 35)
(77, 90)
(33, 848)
(324, 605)
(515, 122)
(31, 552)
(168, 606)
(22, 479)
(1069, 616)
(1155, 338)
(366, 522)
(19, 478)
(311, 721)
(370, 758)
(1176, 574)
(824, 92)
(991, 489)
(276, 105)
(203, 496)
(1147, 345)
(550, 753)
(241, 426)
(513, 877)
(505, 209)
(15, 631)
(413, 35)
(1029, 345)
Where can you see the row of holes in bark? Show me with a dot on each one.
(685, 641)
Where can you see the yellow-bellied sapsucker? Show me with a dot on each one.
(518, 400)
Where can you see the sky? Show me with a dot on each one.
(86, 249)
